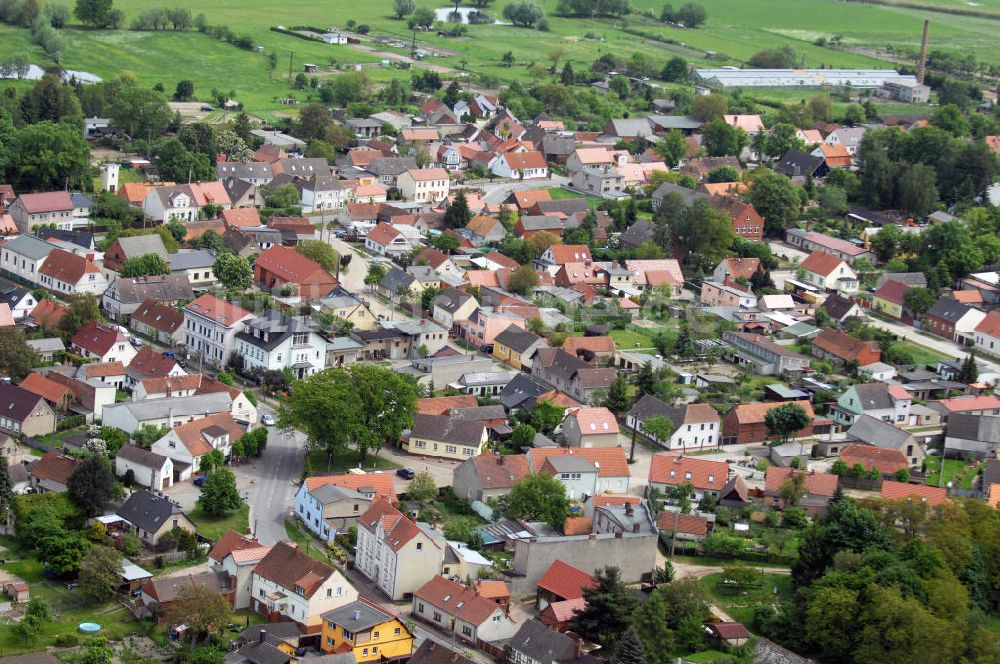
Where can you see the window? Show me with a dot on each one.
(395, 632)
(374, 635)
(466, 630)
(437, 616)
(364, 652)
(329, 592)
(420, 546)
(329, 640)
(347, 634)
(420, 607)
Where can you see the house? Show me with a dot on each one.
(424, 185)
(747, 222)
(349, 308)
(987, 334)
(715, 294)
(129, 416)
(813, 241)
(160, 593)
(368, 632)
(482, 230)
(672, 470)
(972, 436)
(516, 346)
(149, 363)
(396, 554)
(694, 425)
(160, 322)
(931, 496)
(829, 272)
(104, 343)
(562, 582)
(236, 555)
(124, 248)
(799, 166)
(457, 608)
(330, 504)
(124, 296)
(289, 585)
(24, 413)
(735, 269)
(149, 469)
(279, 267)
(278, 342)
(260, 651)
(46, 349)
(953, 320)
(594, 349)
(764, 355)
(152, 516)
(68, 273)
(23, 258)
(591, 427)
(388, 240)
(889, 403)
(51, 473)
(446, 437)
(557, 255)
(840, 308)
(440, 262)
(188, 443)
(195, 265)
(571, 375)
(41, 209)
(887, 461)
(210, 328)
(818, 488)
(535, 643)
(530, 165)
(488, 476)
(842, 348)
(429, 652)
(744, 423)
(890, 299)
(613, 475)
(184, 202)
(677, 526)
(835, 156)
(57, 395)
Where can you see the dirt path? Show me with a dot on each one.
(396, 57)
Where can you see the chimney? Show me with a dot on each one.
(922, 58)
(619, 534)
(263, 636)
(357, 615)
(500, 460)
(635, 527)
(629, 511)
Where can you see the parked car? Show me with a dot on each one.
(406, 473)
(267, 420)
(135, 341)
(198, 481)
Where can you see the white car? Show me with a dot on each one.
(267, 420)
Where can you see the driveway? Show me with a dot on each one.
(440, 469)
(943, 346)
(498, 192)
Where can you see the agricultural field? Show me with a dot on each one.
(734, 31)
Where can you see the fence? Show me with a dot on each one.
(36, 444)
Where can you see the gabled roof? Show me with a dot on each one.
(517, 338)
(429, 652)
(990, 325)
(820, 262)
(455, 599)
(917, 493)
(217, 310)
(525, 160)
(397, 529)
(140, 245)
(538, 643)
(593, 344)
(97, 338)
(965, 404)
(499, 472)
(67, 267)
(843, 345)
(838, 306)
(358, 616)
(159, 316)
(138, 455)
(165, 288)
(446, 429)
(754, 413)
(48, 313)
(197, 435)
(887, 461)
(817, 484)
(378, 484)
(54, 466)
(148, 363)
(879, 433)
(678, 469)
(892, 291)
(293, 570)
(289, 265)
(690, 524)
(147, 511)
(48, 201)
(594, 420)
(49, 390)
(564, 580)
(441, 405)
(610, 461)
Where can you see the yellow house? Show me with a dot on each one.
(515, 346)
(367, 631)
(348, 308)
(890, 298)
(446, 437)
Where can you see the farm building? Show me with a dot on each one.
(801, 78)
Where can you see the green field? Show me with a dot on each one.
(735, 30)
(774, 588)
(214, 527)
(954, 470)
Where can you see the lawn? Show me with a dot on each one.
(962, 473)
(318, 461)
(739, 605)
(630, 339)
(55, 439)
(213, 527)
(707, 657)
(561, 193)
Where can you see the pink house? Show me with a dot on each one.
(484, 326)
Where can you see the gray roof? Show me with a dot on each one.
(263, 653)
(147, 511)
(632, 127)
(873, 396)
(649, 406)
(517, 338)
(154, 409)
(949, 309)
(188, 259)
(447, 429)
(276, 632)
(331, 493)
(689, 195)
(523, 389)
(877, 367)
(140, 245)
(396, 280)
(798, 163)
(639, 232)
(571, 463)
(50, 345)
(168, 288)
(974, 427)
(254, 170)
(142, 457)
(873, 431)
(908, 278)
(675, 121)
(991, 473)
(357, 616)
(451, 300)
(30, 247)
(539, 643)
(391, 165)
(837, 306)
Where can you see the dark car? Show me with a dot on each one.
(198, 481)
(406, 473)
(487, 348)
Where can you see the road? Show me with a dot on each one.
(498, 192)
(943, 346)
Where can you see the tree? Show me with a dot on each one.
(458, 214)
(48, 156)
(210, 461)
(969, 371)
(16, 356)
(784, 420)
(723, 173)
(672, 147)
(792, 489)
(650, 622)
(630, 649)
(523, 12)
(538, 497)
(219, 494)
(184, 90)
(508, 59)
(179, 164)
(62, 552)
(320, 252)
(140, 112)
(918, 192)
(645, 380)
(92, 484)
(658, 427)
(422, 487)
(6, 486)
(233, 271)
(363, 405)
(776, 199)
(198, 607)
(422, 17)
(918, 299)
(705, 231)
(96, 650)
(145, 265)
(774, 58)
(522, 280)
(100, 574)
(96, 13)
(617, 399)
(706, 108)
(401, 8)
(546, 416)
(523, 436)
(691, 15)
(609, 606)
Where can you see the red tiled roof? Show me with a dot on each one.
(48, 201)
(690, 524)
(965, 404)
(677, 469)
(818, 484)
(564, 580)
(97, 338)
(382, 234)
(500, 471)
(887, 461)
(595, 420)
(441, 405)
(289, 265)
(754, 413)
(67, 267)
(149, 363)
(843, 345)
(159, 316)
(457, 600)
(570, 253)
(55, 466)
(492, 589)
(820, 262)
(217, 310)
(614, 501)
(612, 460)
(170, 384)
(593, 344)
(967, 296)
(892, 291)
(427, 174)
(288, 567)
(380, 482)
(501, 259)
(103, 369)
(231, 541)
(729, 630)
(48, 313)
(525, 160)
(565, 610)
(990, 325)
(527, 198)
(194, 434)
(431, 257)
(49, 390)
(932, 495)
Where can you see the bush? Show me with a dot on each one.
(71, 422)
(67, 640)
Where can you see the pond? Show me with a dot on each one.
(444, 14)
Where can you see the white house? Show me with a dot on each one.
(695, 425)
(829, 272)
(396, 554)
(574, 472)
(23, 257)
(455, 607)
(529, 165)
(424, 185)
(288, 584)
(238, 555)
(330, 504)
(70, 274)
(104, 343)
(388, 240)
(130, 415)
(188, 443)
(323, 192)
(210, 327)
(987, 334)
(278, 342)
(151, 470)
